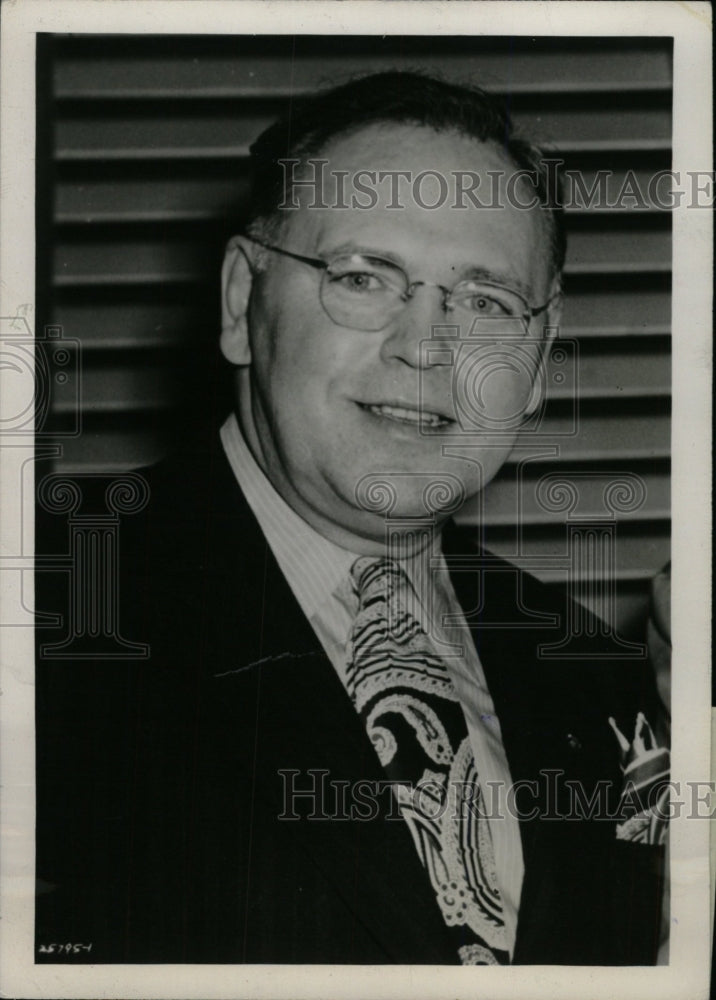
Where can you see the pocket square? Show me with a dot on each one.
(643, 803)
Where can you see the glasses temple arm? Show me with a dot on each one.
(312, 261)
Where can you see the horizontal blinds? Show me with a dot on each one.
(145, 144)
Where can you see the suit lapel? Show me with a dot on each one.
(295, 716)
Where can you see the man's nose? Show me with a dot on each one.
(408, 337)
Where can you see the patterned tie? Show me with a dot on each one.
(403, 693)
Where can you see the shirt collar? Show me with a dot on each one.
(302, 553)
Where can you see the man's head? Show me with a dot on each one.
(345, 373)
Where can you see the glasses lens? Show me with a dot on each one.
(480, 299)
(363, 292)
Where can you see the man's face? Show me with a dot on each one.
(325, 405)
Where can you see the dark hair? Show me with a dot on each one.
(311, 122)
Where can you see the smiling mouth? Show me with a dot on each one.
(405, 415)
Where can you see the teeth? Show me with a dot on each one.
(409, 416)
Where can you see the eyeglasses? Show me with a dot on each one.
(366, 292)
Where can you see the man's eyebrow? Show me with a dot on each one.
(506, 278)
(364, 251)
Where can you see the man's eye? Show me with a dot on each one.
(359, 282)
(487, 305)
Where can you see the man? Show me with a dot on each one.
(346, 746)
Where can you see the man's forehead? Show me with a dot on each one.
(410, 190)
(384, 139)
(399, 166)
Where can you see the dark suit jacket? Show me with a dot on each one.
(162, 834)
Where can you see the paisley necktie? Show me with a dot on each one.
(402, 690)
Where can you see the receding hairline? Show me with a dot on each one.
(274, 223)
(397, 96)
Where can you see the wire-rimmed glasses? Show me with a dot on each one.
(366, 292)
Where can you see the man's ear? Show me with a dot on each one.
(237, 275)
(548, 333)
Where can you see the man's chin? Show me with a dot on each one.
(410, 494)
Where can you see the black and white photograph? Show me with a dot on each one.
(357, 363)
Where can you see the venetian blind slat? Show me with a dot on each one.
(235, 66)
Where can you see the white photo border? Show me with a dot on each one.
(690, 25)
